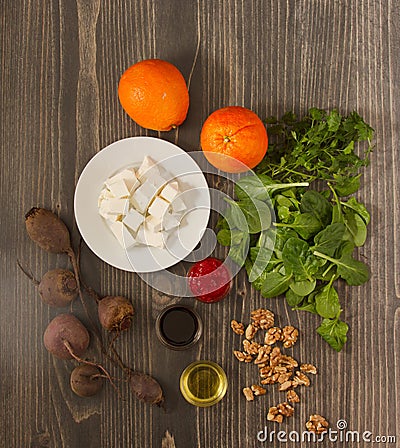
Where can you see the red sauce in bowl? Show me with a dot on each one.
(209, 280)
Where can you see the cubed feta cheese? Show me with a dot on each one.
(124, 237)
(128, 176)
(153, 224)
(142, 197)
(105, 193)
(169, 222)
(154, 239)
(119, 189)
(115, 206)
(140, 238)
(148, 168)
(157, 180)
(158, 207)
(133, 220)
(170, 191)
(177, 205)
(109, 216)
(150, 238)
(131, 181)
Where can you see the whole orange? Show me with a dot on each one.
(234, 139)
(154, 94)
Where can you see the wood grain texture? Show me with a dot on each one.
(60, 66)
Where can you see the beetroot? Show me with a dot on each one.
(145, 388)
(115, 313)
(86, 380)
(65, 336)
(58, 288)
(47, 230)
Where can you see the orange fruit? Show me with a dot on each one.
(154, 94)
(234, 139)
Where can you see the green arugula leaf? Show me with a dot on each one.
(346, 185)
(356, 227)
(358, 208)
(305, 224)
(353, 271)
(292, 298)
(238, 253)
(299, 260)
(275, 284)
(261, 261)
(315, 204)
(224, 237)
(249, 215)
(334, 332)
(253, 187)
(329, 239)
(302, 288)
(308, 304)
(327, 302)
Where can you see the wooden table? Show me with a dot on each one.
(60, 66)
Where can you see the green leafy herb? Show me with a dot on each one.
(353, 271)
(295, 240)
(305, 224)
(275, 284)
(327, 302)
(322, 145)
(334, 331)
(299, 260)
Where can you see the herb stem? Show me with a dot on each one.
(288, 185)
(326, 257)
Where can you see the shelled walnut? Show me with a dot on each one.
(317, 424)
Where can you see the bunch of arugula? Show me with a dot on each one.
(311, 243)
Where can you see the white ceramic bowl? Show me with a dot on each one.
(130, 152)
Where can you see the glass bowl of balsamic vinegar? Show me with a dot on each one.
(179, 327)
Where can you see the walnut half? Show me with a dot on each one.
(317, 424)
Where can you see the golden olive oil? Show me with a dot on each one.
(203, 383)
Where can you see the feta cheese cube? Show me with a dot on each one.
(158, 207)
(119, 189)
(128, 176)
(153, 224)
(115, 206)
(148, 168)
(150, 238)
(109, 216)
(169, 222)
(170, 191)
(142, 197)
(177, 205)
(154, 239)
(133, 219)
(105, 193)
(157, 180)
(124, 237)
(140, 238)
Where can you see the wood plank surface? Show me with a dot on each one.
(60, 66)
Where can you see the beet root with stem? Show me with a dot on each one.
(145, 388)
(47, 230)
(115, 313)
(86, 380)
(66, 333)
(58, 288)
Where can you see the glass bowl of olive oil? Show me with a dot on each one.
(203, 383)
